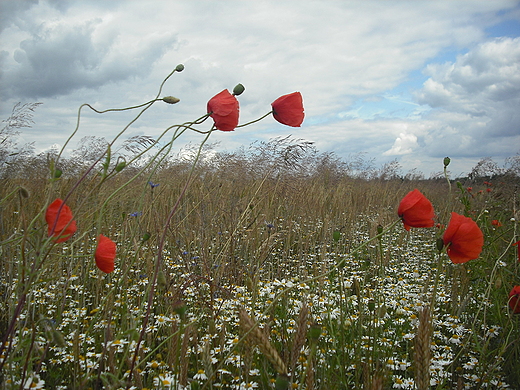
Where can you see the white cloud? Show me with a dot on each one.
(477, 99)
(404, 144)
(336, 53)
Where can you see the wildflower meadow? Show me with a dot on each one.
(127, 266)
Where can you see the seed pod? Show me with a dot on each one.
(238, 90)
(171, 99)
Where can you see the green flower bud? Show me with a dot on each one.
(57, 173)
(180, 308)
(446, 161)
(440, 244)
(179, 68)
(282, 382)
(120, 166)
(336, 235)
(379, 229)
(146, 236)
(171, 99)
(23, 192)
(161, 280)
(315, 332)
(238, 90)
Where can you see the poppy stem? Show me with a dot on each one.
(160, 254)
(256, 120)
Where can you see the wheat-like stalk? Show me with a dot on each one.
(189, 331)
(422, 354)
(300, 336)
(256, 336)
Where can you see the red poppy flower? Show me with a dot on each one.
(496, 223)
(105, 254)
(60, 222)
(416, 210)
(223, 108)
(288, 109)
(463, 238)
(517, 244)
(514, 300)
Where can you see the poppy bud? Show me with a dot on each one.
(23, 192)
(379, 229)
(314, 332)
(440, 244)
(179, 68)
(336, 235)
(282, 382)
(180, 308)
(57, 173)
(171, 99)
(146, 236)
(161, 280)
(446, 161)
(120, 166)
(238, 90)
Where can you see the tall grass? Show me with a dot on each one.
(271, 270)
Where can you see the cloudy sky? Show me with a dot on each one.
(408, 80)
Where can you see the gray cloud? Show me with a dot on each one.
(477, 99)
(62, 56)
(10, 11)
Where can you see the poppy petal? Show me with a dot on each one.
(463, 238)
(416, 210)
(224, 110)
(60, 222)
(105, 254)
(288, 109)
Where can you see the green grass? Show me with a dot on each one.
(266, 271)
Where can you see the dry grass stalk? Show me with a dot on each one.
(189, 331)
(422, 354)
(257, 337)
(309, 374)
(206, 358)
(300, 336)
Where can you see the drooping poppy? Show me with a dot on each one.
(224, 110)
(60, 222)
(288, 109)
(514, 300)
(416, 210)
(105, 254)
(463, 238)
(517, 244)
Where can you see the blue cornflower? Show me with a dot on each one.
(152, 184)
(136, 214)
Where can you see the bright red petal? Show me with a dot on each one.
(60, 222)
(224, 109)
(105, 254)
(288, 109)
(514, 300)
(463, 238)
(416, 210)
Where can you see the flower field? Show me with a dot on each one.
(276, 269)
